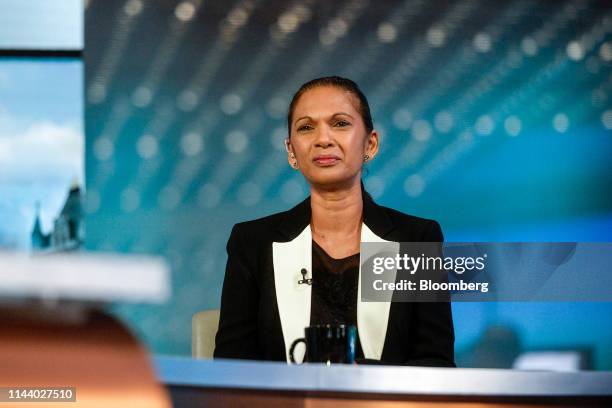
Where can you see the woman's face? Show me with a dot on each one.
(328, 137)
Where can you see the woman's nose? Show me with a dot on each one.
(324, 137)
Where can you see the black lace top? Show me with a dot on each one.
(334, 290)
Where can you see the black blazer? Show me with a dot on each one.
(265, 256)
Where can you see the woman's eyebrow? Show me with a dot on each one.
(334, 115)
(342, 113)
(303, 117)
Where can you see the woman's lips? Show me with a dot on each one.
(326, 160)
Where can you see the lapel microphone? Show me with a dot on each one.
(304, 280)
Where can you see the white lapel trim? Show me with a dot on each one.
(293, 300)
(372, 317)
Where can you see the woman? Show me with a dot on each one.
(264, 308)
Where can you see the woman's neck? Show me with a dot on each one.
(336, 214)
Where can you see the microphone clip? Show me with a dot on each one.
(304, 280)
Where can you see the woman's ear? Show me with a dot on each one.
(371, 148)
(290, 155)
(288, 146)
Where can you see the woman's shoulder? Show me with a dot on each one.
(411, 227)
(260, 225)
(279, 226)
(405, 218)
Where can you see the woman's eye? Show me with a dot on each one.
(304, 127)
(342, 123)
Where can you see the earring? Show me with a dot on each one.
(366, 157)
(294, 163)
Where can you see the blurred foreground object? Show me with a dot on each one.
(83, 277)
(55, 335)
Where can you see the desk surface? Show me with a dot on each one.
(238, 374)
